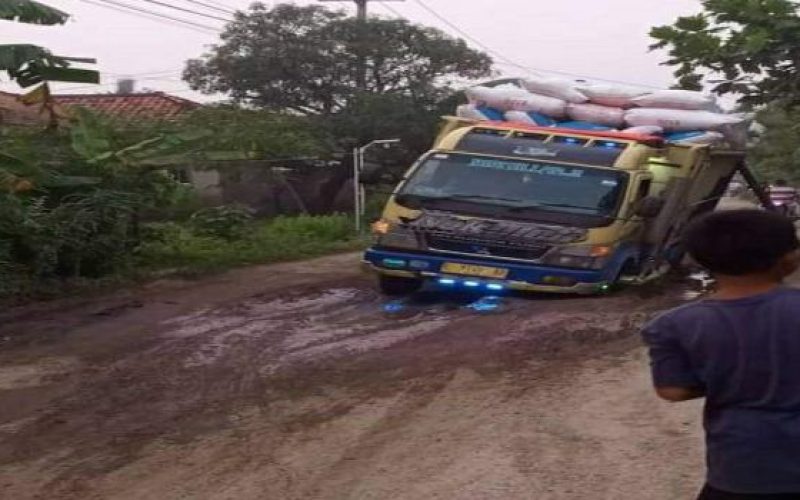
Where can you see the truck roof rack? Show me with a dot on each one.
(648, 140)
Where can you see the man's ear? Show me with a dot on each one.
(789, 263)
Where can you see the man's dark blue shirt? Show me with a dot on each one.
(745, 354)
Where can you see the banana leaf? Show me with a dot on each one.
(30, 12)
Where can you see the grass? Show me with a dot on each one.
(171, 248)
(180, 250)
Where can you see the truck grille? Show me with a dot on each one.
(503, 239)
(487, 248)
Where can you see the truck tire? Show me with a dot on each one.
(630, 267)
(394, 286)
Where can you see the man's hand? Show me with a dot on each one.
(678, 394)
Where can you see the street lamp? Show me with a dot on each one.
(359, 195)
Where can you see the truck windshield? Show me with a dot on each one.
(517, 185)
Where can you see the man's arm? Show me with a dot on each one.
(678, 394)
(674, 377)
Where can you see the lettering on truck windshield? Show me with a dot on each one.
(534, 168)
(516, 185)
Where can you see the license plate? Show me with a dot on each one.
(471, 270)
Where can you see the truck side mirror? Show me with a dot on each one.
(649, 207)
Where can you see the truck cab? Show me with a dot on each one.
(499, 205)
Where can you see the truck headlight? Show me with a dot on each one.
(579, 256)
(391, 235)
(381, 227)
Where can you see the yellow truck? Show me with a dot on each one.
(499, 205)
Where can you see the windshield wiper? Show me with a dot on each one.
(457, 197)
(547, 205)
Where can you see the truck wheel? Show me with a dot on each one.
(395, 286)
(628, 268)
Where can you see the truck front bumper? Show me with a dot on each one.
(521, 276)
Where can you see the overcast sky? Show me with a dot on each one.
(595, 38)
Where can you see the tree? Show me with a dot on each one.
(305, 60)
(754, 45)
(776, 154)
(29, 65)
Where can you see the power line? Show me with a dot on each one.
(507, 61)
(467, 35)
(212, 7)
(189, 11)
(153, 16)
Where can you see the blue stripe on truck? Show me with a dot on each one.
(530, 273)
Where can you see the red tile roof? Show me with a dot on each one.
(145, 105)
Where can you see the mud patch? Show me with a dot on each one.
(43, 372)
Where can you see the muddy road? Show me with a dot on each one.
(298, 381)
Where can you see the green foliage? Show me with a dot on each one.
(280, 239)
(30, 12)
(226, 222)
(257, 133)
(306, 59)
(82, 202)
(754, 45)
(74, 217)
(29, 65)
(777, 152)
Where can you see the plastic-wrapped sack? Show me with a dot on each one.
(560, 88)
(579, 125)
(644, 130)
(516, 99)
(695, 137)
(677, 120)
(594, 113)
(529, 117)
(676, 99)
(607, 94)
(481, 113)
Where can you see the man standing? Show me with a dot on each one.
(739, 349)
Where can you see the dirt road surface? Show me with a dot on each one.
(298, 381)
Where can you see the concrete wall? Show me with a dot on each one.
(269, 189)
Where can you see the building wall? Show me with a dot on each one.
(270, 190)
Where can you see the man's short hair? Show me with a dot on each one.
(739, 242)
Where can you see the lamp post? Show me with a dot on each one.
(359, 197)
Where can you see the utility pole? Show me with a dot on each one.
(361, 15)
(361, 6)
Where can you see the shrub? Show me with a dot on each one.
(227, 222)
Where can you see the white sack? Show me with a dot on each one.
(608, 94)
(644, 130)
(676, 99)
(560, 88)
(679, 120)
(594, 113)
(508, 99)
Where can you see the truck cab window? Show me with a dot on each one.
(644, 188)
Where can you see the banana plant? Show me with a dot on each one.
(31, 65)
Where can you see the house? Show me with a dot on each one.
(262, 185)
(129, 106)
(144, 105)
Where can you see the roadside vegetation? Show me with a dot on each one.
(88, 200)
